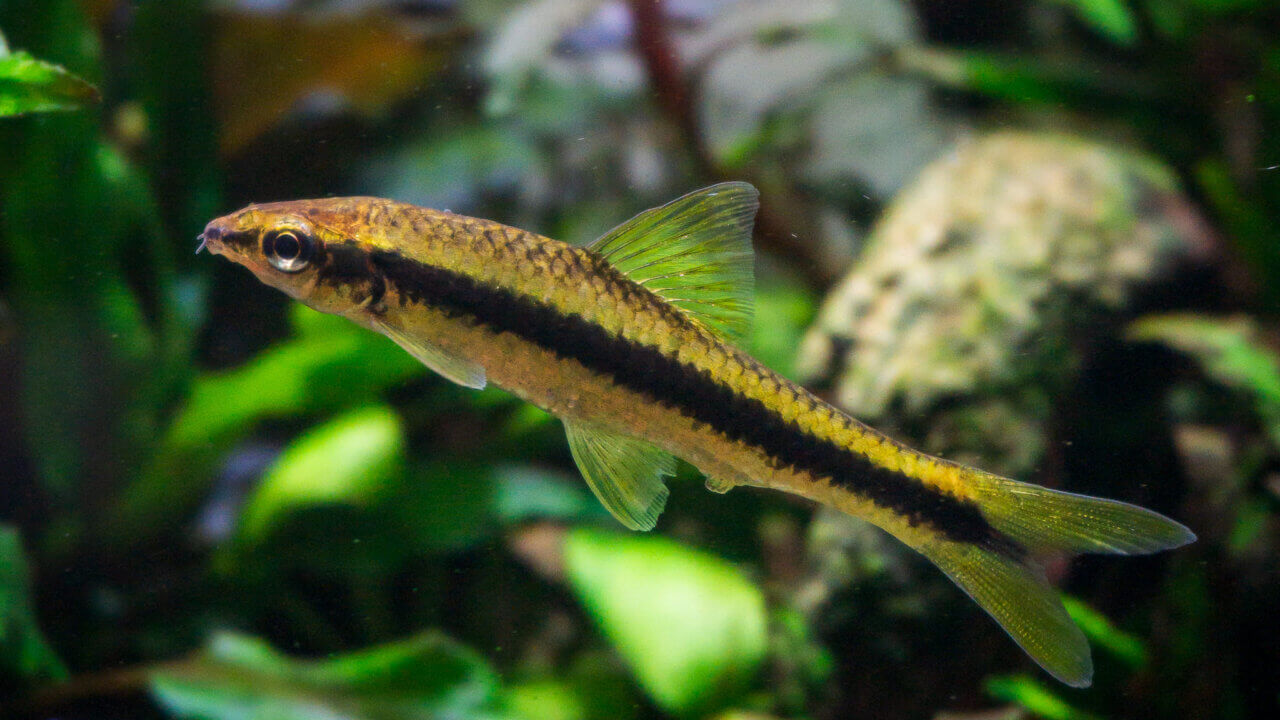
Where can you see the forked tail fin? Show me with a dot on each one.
(1011, 586)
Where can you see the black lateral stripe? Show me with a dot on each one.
(346, 265)
(691, 391)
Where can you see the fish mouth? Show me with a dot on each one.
(212, 239)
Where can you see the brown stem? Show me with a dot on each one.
(675, 98)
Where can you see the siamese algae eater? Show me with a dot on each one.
(631, 343)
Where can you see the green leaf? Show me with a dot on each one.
(689, 625)
(242, 678)
(1035, 698)
(101, 347)
(1230, 351)
(28, 85)
(1098, 628)
(331, 365)
(1112, 18)
(347, 460)
(1031, 80)
(545, 700)
(23, 649)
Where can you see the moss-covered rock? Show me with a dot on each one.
(984, 283)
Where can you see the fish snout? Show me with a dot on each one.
(219, 235)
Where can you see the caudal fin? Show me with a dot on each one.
(1044, 519)
(1012, 587)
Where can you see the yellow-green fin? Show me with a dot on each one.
(624, 473)
(1016, 593)
(1012, 587)
(459, 370)
(1044, 519)
(694, 252)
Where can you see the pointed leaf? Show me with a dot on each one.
(28, 85)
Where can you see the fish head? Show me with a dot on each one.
(303, 248)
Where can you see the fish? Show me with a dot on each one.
(634, 342)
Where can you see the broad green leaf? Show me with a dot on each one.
(1231, 353)
(348, 460)
(426, 677)
(331, 365)
(689, 625)
(23, 649)
(770, 65)
(28, 85)
(1035, 698)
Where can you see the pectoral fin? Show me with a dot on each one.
(459, 370)
(624, 473)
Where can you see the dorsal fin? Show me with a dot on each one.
(695, 253)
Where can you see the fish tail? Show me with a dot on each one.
(1048, 520)
(1003, 577)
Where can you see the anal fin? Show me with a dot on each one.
(1015, 592)
(624, 473)
(459, 370)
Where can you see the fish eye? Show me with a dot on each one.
(288, 250)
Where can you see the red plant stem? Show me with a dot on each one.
(675, 98)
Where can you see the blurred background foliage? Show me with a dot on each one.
(1035, 235)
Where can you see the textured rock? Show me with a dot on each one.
(983, 283)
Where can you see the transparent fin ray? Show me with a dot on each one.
(695, 252)
(624, 473)
(1044, 519)
(1016, 593)
(453, 368)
